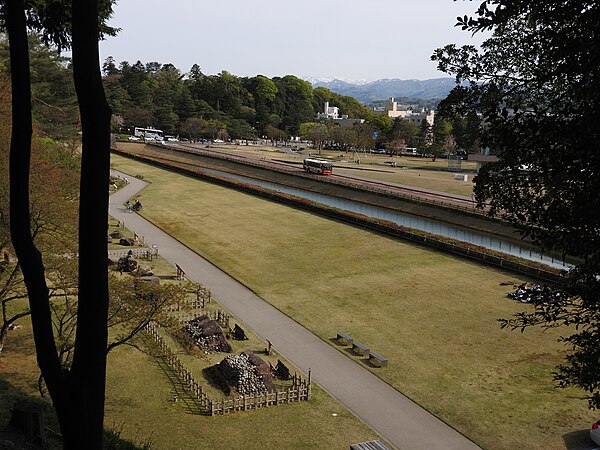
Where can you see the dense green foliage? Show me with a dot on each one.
(226, 106)
(535, 84)
(52, 20)
(221, 106)
(55, 112)
(194, 104)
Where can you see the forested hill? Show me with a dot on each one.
(194, 103)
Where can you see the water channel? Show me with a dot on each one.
(406, 220)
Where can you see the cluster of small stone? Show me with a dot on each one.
(207, 334)
(241, 374)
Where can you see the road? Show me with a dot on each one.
(401, 421)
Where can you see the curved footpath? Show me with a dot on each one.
(405, 424)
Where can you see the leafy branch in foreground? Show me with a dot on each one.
(535, 84)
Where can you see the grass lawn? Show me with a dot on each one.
(428, 179)
(139, 403)
(418, 172)
(432, 315)
(412, 171)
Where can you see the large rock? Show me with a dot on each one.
(127, 241)
(127, 264)
(145, 271)
(242, 374)
(151, 279)
(262, 367)
(117, 234)
(207, 334)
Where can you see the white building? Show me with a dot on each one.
(391, 107)
(332, 113)
(329, 112)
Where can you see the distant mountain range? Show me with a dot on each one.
(379, 90)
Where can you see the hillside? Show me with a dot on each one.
(378, 90)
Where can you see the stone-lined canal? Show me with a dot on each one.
(419, 223)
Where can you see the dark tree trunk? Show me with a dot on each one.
(78, 395)
(20, 156)
(89, 360)
(3, 334)
(29, 256)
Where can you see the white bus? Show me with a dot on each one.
(148, 134)
(317, 166)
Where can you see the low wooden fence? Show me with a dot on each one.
(203, 296)
(245, 402)
(221, 317)
(183, 374)
(192, 303)
(300, 390)
(143, 253)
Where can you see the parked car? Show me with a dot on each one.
(595, 432)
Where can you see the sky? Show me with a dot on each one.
(344, 39)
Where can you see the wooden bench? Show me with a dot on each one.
(360, 349)
(343, 337)
(377, 357)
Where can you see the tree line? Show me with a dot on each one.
(225, 106)
(195, 105)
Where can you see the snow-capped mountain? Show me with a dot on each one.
(319, 81)
(372, 91)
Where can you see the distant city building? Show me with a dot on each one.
(333, 113)
(391, 107)
(329, 112)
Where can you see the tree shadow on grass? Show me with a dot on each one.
(215, 379)
(179, 390)
(52, 439)
(167, 277)
(9, 396)
(19, 343)
(579, 440)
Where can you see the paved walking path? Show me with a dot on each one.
(387, 411)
